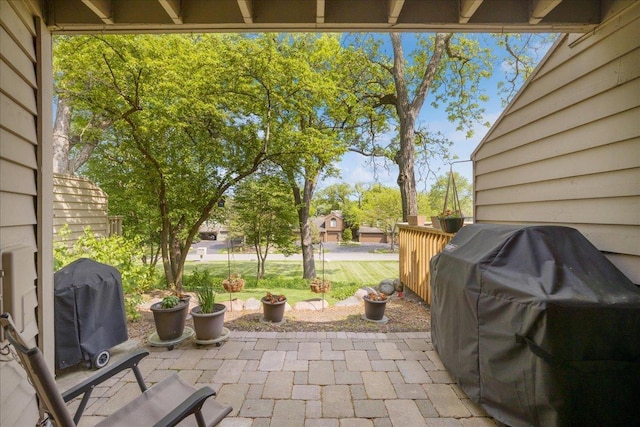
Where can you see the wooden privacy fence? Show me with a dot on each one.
(418, 245)
(115, 225)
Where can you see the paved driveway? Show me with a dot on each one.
(212, 250)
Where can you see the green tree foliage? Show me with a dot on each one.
(322, 116)
(181, 135)
(444, 70)
(382, 207)
(265, 214)
(332, 198)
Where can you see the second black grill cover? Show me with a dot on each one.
(89, 311)
(537, 326)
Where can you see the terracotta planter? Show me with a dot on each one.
(435, 222)
(451, 225)
(416, 219)
(208, 326)
(273, 312)
(374, 310)
(170, 321)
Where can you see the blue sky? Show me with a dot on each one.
(354, 167)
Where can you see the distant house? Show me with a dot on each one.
(371, 235)
(330, 226)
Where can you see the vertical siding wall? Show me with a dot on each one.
(80, 204)
(19, 140)
(567, 150)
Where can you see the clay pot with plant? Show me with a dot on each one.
(273, 307)
(169, 316)
(208, 317)
(374, 305)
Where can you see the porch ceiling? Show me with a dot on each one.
(87, 16)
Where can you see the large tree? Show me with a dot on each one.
(180, 136)
(445, 72)
(445, 69)
(323, 117)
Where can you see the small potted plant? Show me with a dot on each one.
(273, 307)
(235, 283)
(451, 221)
(208, 317)
(170, 316)
(319, 286)
(374, 305)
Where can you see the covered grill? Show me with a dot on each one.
(537, 326)
(89, 313)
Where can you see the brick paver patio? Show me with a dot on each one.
(312, 379)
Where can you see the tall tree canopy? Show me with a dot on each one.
(322, 116)
(445, 71)
(180, 134)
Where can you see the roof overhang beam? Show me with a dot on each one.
(172, 7)
(102, 8)
(320, 9)
(395, 7)
(467, 9)
(246, 9)
(538, 9)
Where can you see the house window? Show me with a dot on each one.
(333, 222)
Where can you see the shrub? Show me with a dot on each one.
(347, 235)
(344, 292)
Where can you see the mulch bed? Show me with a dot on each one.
(409, 314)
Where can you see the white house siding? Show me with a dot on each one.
(25, 209)
(566, 151)
(78, 203)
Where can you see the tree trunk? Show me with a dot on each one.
(408, 111)
(303, 203)
(406, 174)
(61, 143)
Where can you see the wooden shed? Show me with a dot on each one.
(78, 203)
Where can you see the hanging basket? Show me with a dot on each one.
(451, 219)
(319, 286)
(234, 284)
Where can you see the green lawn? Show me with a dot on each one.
(284, 277)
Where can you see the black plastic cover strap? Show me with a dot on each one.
(542, 353)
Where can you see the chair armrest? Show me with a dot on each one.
(190, 405)
(129, 362)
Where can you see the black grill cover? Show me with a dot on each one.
(537, 326)
(89, 311)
